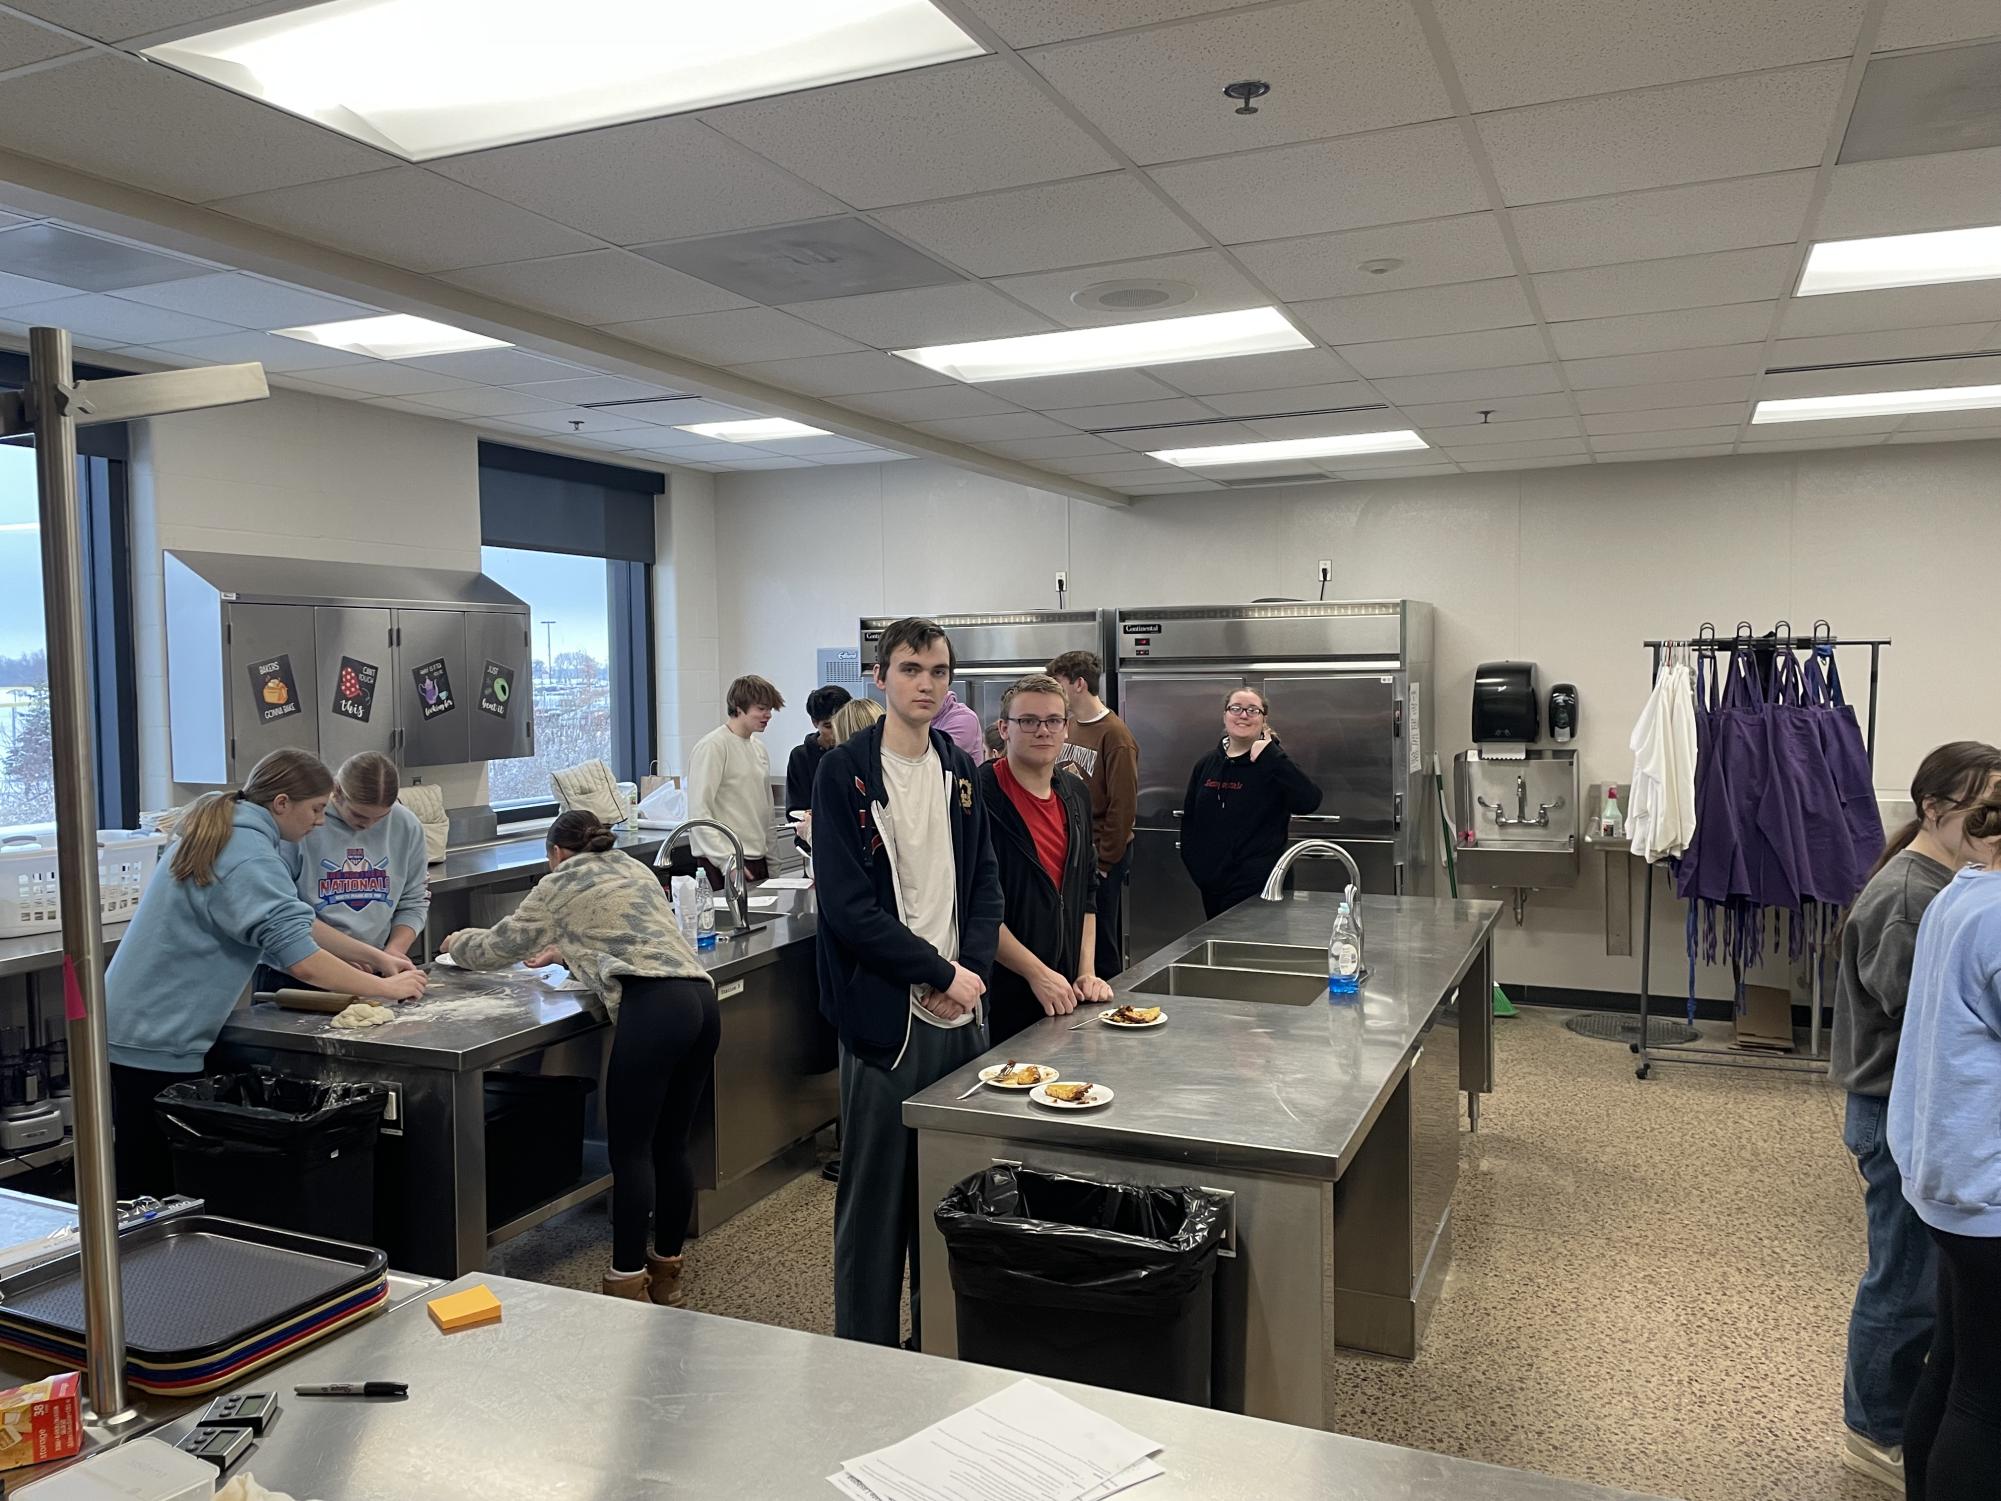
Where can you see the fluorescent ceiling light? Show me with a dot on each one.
(1902, 261)
(1290, 448)
(756, 430)
(393, 336)
(1117, 346)
(1877, 404)
(428, 78)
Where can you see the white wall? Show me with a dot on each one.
(687, 664)
(1570, 568)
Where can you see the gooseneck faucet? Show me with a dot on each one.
(1275, 882)
(733, 875)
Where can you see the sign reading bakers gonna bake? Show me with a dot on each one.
(273, 689)
(434, 688)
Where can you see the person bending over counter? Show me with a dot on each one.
(1241, 798)
(228, 897)
(602, 913)
(1041, 824)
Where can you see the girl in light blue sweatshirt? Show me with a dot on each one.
(365, 870)
(1945, 1133)
(228, 897)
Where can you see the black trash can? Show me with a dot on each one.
(535, 1126)
(1105, 1283)
(295, 1153)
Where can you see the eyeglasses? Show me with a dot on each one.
(1029, 724)
(1245, 711)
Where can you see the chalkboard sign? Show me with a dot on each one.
(354, 689)
(496, 689)
(273, 689)
(434, 688)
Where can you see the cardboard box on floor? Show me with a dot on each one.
(1766, 1022)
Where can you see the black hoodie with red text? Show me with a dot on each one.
(1235, 816)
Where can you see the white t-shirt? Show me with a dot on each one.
(919, 833)
(729, 780)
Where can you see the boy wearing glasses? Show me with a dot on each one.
(1048, 865)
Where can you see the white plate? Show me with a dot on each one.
(1158, 1021)
(1100, 1095)
(992, 1076)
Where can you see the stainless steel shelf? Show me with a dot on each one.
(596, 1179)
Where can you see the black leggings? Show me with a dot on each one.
(662, 1056)
(144, 1162)
(1953, 1432)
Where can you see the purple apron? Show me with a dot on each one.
(1802, 815)
(1848, 761)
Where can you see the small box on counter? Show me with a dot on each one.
(41, 1421)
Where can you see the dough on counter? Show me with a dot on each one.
(362, 1014)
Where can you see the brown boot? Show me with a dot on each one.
(666, 1274)
(631, 1285)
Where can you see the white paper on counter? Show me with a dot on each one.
(786, 883)
(757, 903)
(1026, 1443)
(556, 977)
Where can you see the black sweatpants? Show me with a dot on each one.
(1953, 1433)
(662, 1057)
(144, 1163)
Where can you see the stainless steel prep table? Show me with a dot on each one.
(598, 1399)
(1333, 1126)
(774, 1085)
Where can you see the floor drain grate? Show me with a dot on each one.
(1613, 1026)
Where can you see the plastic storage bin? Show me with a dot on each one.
(29, 901)
(1106, 1283)
(298, 1154)
(534, 1140)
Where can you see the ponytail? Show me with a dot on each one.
(205, 828)
(580, 833)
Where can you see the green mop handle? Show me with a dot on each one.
(1445, 824)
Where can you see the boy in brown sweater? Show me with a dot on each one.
(1104, 751)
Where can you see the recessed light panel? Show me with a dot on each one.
(1925, 260)
(429, 78)
(393, 336)
(1290, 448)
(757, 430)
(1877, 404)
(1117, 346)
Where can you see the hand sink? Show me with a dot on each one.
(1224, 953)
(1219, 983)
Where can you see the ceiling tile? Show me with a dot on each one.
(1254, 372)
(409, 217)
(650, 180)
(382, 378)
(1174, 488)
(933, 402)
(1802, 445)
(1094, 388)
(1927, 23)
(1687, 132)
(498, 367)
(1541, 448)
(1884, 344)
(1923, 103)
(991, 429)
(1646, 398)
(1081, 446)
(735, 337)
(1891, 307)
(918, 316)
(1113, 216)
(1461, 435)
(678, 412)
(1332, 424)
(1480, 351)
(1188, 435)
(1703, 451)
(1683, 437)
(1915, 376)
(1951, 190)
(1728, 413)
(1667, 365)
(1490, 466)
(23, 42)
(157, 129)
(1929, 421)
(1686, 281)
(273, 354)
(831, 446)
(1291, 399)
(1385, 177)
(1511, 52)
(863, 373)
(484, 401)
(1686, 328)
(1434, 253)
(1511, 410)
(1027, 23)
(248, 301)
(16, 291)
(583, 390)
(119, 20)
(845, 256)
(8, 221)
(597, 286)
(1463, 308)
(1135, 414)
(88, 263)
(1337, 67)
(1954, 435)
(568, 420)
(962, 128)
(1218, 287)
(107, 320)
(1471, 385)
(1706, 216)
(864, 456)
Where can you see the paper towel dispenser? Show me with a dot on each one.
(1504, 703)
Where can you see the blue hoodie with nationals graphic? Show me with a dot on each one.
(367, 881)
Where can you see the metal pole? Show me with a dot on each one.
(70, 714)
(1875, 665)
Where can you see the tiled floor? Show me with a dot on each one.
(1650, 1287)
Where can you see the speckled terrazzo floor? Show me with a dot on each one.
(1650, 1286)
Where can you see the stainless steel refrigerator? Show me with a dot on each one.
(1349, 684)
(990, 651)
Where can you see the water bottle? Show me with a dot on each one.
(1344, 952)
(683, 898)
(705, 911)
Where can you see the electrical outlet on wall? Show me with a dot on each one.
(1326, 569)
(1062, 581)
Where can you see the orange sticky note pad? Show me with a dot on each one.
(466, 1310)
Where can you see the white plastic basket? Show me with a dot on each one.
(29, 902)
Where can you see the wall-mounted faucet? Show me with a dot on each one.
(1521, 819)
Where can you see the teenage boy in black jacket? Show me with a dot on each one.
(822, 704)
(1041, 821)
(909, 915)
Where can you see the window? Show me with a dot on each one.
(569, 609)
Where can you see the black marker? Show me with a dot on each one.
(355, 1389)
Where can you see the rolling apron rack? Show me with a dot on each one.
(1815, 1062)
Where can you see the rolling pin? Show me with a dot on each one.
(327, 1001)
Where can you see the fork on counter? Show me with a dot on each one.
(1080, 1026)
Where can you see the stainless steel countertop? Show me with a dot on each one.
(36, 951)
(1275, 1088)
(474, 1019)
(513, 859)
(596, 1398)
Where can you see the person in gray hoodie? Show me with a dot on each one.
(228, 897)
(365, 870)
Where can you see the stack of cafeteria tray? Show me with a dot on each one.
(207, 1300)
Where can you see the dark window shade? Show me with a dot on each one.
(550, 503)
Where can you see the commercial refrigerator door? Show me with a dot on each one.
(273, 682)
(1343, 732)
(499, 691)
(1177, 720)
(357, 705)
(434, 695)
(1163, 903)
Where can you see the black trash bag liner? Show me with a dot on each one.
(267, 1107)
(1048, 1240)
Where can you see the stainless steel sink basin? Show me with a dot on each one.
(1289, 958)
(1217, 983)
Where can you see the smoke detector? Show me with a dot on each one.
(1382, 265)
(1135, 296)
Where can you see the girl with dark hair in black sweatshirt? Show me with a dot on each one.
(1241, 799)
